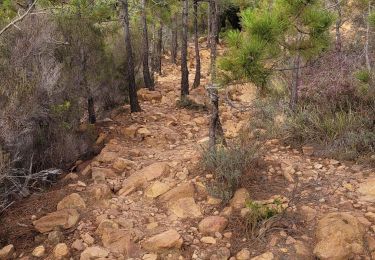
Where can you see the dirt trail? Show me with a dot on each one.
(143, 196)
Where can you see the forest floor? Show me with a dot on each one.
(144, 196)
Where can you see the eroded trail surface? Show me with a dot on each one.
(143, 196)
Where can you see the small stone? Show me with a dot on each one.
(60, 251)
(39, 251)
(265, 256)
(78, 245)
(55, 237)
(244, 254)
(150, 257)
(6, 252)
(208, 240)
(370, 216)
(88, 239)
(166, 240)
(212, 224)
(290, 240)
(239, 199)
(94, 253)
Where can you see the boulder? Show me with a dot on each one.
(118, 241)
(185, 190)
(170, 239)
(106, 156)
(99, 175)
(340, 236)
(143, 176)
(212, 224)
(94, 252)
(185, 208)
(65, 218)
(100, 191)
(239, 199)
(106, 224)
(72, 201)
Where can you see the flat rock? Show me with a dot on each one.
(339, 236)
(65, 218)
(106, 156)
(143, 176)
(170, 239)
(94, 252)
(239, 199)
(72, 201)
(156, 189)
(367, 190)
(6, 252)
(100, 191)
(212, 224)
(118, 241)
(265, 256)
(185, 190)
(185, 208)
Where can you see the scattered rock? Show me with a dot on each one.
(78, 245)
(166, 240)
(39, 251)
(208, 240)
(147, 95)
(301, 249)
(150, 257)
(239, 199)
(65, 218)
(340, 236)
(94, 253)
(118, 241)
(106, 224)
(308, 212)
(72, 201)
(61, 251)
(121, 164)
(265, 256)
(185, 208)
(244, 254)
(222, 253)
(143, 176)
(100, 191)
(212, 224)
(87, 238)
(106, 157)
(185, 190)
(6, 252)
(156, 189)
(55, 237)
(308, 150)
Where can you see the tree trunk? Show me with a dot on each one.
(367, 44)
(216, 129)
(145, 57)
(91, 110)
(296, 82)
(159, 47)
(174, 45)
(133, 98)
(184, 49)
(197, 79)
(209, 24)
(338, 26)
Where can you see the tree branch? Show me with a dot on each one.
(19, 18)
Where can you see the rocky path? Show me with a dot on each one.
(141, 197)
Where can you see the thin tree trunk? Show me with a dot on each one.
(91, 110)
(159, 47)
(184, 49)
(338, 26)
(174, 45)
(197, 79)
(145, 57)
(367, 44)
(296, 82)
(133, 98)
(209, 24)
(216, 130)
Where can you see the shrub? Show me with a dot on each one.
(190, 104)
(228, 164)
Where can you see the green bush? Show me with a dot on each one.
(363, 76)
(228, 164)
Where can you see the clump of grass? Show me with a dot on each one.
(259, 213)
(363, 75)
(228, 165)
(187, 103)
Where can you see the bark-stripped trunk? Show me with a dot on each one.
(338, 26)
(184, 42)
(133, 98)
(216, 132)
(174, 44)
(145, 57)
(197, 79)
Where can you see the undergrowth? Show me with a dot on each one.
(190, 104)
(228, 165)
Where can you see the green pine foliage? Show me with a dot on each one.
(272, 35)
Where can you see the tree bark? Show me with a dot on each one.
(133, 98)
(184, 49)
(91, 110)
(209, 23)
(197, 79)
(338, 26)
(149, 83)
(367, 44)
(216, 130)
(174, 45)
(159, 47)
(296, 82)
